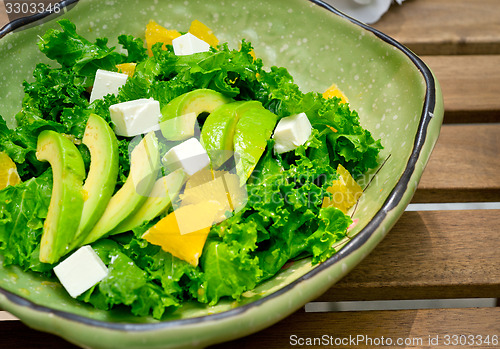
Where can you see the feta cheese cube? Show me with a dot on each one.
(107, 82)
(291, 132)
(135, 117)
(80, 271)
(189, 155)
(189, 44)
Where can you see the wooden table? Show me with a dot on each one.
(437, 254)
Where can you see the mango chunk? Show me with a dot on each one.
(200, 177)
(221, 186)
(156, 33)
(334, 91)
(180, 234)
(252, 53)
(8, 171)
(126, 68)
(210, 190)
(345, 191)
(208, 198)
(201, 31)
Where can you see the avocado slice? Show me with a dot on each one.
(66, 202)
(218, 131)
(255, 126)
(172, 123)
(101, 179)
(160, 199)
(144, 166)
(179, 128)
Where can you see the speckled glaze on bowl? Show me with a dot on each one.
(396, 95)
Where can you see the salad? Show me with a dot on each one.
(172, 170)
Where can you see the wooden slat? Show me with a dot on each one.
(4, 19)
(427, 255)
(444, 27)
(419, 326)
(5, 316)
(464, 166)
(470, 84)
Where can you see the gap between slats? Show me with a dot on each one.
(414, 304)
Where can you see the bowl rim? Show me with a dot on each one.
(392, 201)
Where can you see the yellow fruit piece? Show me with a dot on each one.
(201, 31)
(213, 190)
(345, 191)
(156, 33)
(209, 197)
(180, 234)
(334, 91)
(8, 171)
(126, 68)
(200, 177)
(252, 53)
(224, 188)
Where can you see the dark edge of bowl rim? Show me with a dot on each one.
(391, 202)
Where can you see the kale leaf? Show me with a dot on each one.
(23, 209)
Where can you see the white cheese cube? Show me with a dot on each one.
(80, 271)
(189, 155)
(107, 82)
(135, 117)
(189, 44)
(291, 132)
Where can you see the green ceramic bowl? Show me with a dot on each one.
(395, 93)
